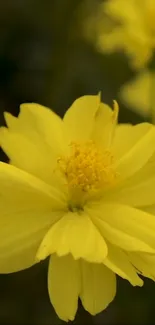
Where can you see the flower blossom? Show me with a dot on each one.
(128, 26)
(79, 190)
(138, 93)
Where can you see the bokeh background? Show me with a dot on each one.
(45, 58)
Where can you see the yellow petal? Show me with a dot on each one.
(127, 136)
(136, 93)
(149, 209)
(64, 286)
(104, 125)
(124, 226)
(11, 121)
(137, 147)
(126, 12)
(31, 155)
(130, 31)
(137, 190)
(36, 120)
(98, 287)
(74, 234)
(118, 261)
(144, 263)
(79, 118)
(139, 195)
(27, 208)
(122, 141)
(34, 140)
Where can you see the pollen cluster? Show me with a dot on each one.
(87, 168)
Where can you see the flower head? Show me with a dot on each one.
(136, 94)
(80, 190)
(128, 26)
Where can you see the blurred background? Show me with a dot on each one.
(44, 58)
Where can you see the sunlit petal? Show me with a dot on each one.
(64, 285)
(135, 149)
(118, 261)
(79, 118)
(124, 226)
(74, 234)
(98, 287)
(28, 208)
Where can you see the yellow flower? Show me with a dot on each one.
(80, 190)
(131, 28)
(137, 93)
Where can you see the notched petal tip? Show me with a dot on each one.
(68, 236)
(100, 95)
(9, 119)
(42, 253)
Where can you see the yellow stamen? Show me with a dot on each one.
(87, 168)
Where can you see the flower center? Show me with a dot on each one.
(87, 168)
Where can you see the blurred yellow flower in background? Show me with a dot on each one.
(80, 190)
(127, 25)
(136, 94)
